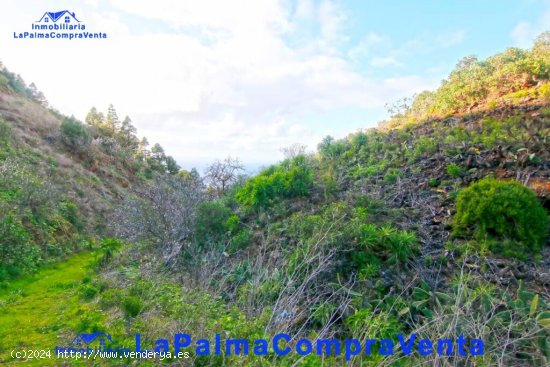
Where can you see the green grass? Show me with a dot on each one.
(45, 310)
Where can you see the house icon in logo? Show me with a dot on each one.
(81, 340)
(52, 17)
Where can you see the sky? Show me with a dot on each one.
(245, 78)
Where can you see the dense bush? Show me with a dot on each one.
(387, 242)
(504, 211)
(132, 306)
(75, 135)
(5, 132)
(5, 139)
(17, 251)
(34, 222)
(292, 178)
(453, 170)
(474, 82)
(210, 225)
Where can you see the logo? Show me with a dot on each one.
(85, 340)
(84, 345)
(69, 19)
(62, 24)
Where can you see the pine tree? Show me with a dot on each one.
(157, 158)
(37, 95)
(111, 121)
(171, 165)
(157, 152)
(143, 150)
(127, 134)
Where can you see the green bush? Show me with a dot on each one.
(210, 224)
(392, 175)
(88, 291)
(232, 224)
(453, 170)
(476, 82)
(18, 253)
(292, 178)
(5, 132)
(70, 212)
(501, 211)
(5, 140)
(240, 240)
(132, 306)
(424, 145)
(75, 135)
(386, 242)
(110, 298)
(330, 148)
(433, 182)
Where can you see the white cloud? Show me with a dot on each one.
(524, 33)
(385, 61)
(304, 9)
(214, 78)
(331, 19)
(366, 45)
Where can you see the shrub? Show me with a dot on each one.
(88, 291)
(387, 242)
(75, 135)
(292, 178)
(5, 132)
(132, 306)
(330, 148)
(210, 225)
(401, 244)
(69, 211)
(453, 170)
(110, 298)
(474, 82)
(424, 145)
(433, 182)
(502, 210)
(240, 240)
(392, 175)
(17, 251)
(232, 224)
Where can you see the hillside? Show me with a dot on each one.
(61, 178)
(435, 224)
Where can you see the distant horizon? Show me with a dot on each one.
(231, 84)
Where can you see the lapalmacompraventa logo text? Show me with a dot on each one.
(62, 24)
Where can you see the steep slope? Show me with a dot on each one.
(370, 236)
(434, 225)
(60, 178)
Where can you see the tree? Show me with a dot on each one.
(111, 121)
(192, 175)
(143, 151)
(222, 174)
(17, 84)
(37, 95)
(164, 215)
(156, 158)
(541, 57)
(127, 134)
(171, 166)
(293, 151)
(160, 162)
(157, 152)
(94, 118)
